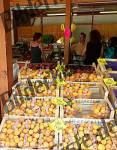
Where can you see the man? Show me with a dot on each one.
(78, 50)
(80, 47)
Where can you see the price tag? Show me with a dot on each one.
(57, 125)
(60, 68)
(60, 82)
(102, 61)
(109, 81)
(59, 101)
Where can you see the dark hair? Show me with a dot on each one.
(37, 36)
(113, 42)
(95, 36)
(84, 35)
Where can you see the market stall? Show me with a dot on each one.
(58, 106)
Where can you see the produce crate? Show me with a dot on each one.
(112, 129)
(76, 73)
(86, 134)
(44, 74)
(110, 66)
(87, 109)
(34, 106)
(24, 138)
(113, 96)
(39, 88)
(84, 90)
(42, 66)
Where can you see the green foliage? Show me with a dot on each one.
(48, 39)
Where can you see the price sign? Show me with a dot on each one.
(57, 125)
(109, 81)
(60, 68)
(102, 61)
(60, 82)
(59, 101)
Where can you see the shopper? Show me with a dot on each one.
(111, 51)
(94, 47)
(78, 50)
(36, 48)
(80, 47)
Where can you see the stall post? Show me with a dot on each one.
(6, 72)
(68, 25)
(92, 24)
(15, 27)
(41, 23)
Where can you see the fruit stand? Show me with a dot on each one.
(59, 108)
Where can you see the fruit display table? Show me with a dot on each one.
(59, 108)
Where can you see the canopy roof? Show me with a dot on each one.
(79, 7)
(47, 2)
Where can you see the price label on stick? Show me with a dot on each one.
(102, 61)
(60, 82)
(109, 81)
(59, 101)
(57, 125)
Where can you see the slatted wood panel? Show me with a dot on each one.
(107, 30)
(42, 2)
(38, 2)
(27, 32)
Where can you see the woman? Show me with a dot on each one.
(111, 51)
(93, 49)
(36, 48)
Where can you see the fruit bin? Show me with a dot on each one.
(77, 73)
(80, 109)
(27, 133)
(84, 90)
(112, 128)
(39, 88)
(42, 66)
(34, 106)
(81, 134)
(27, 73)
(113, 96)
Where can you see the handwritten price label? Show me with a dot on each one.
(102, 61)
(59, 101)
(109, 81)
(57, 125)
(60, 68)
(60, 82)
